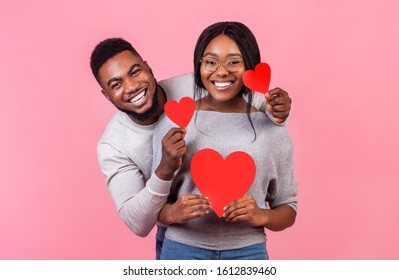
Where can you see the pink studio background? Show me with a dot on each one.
(339, 62)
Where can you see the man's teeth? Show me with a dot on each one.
(137, 97)
(224, 84)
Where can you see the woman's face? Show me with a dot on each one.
(222, 54)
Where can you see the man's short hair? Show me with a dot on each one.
(106, 50)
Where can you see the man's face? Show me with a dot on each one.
(127, 81)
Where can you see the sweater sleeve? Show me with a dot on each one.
(283, 188)
(138, 202)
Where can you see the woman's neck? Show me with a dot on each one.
(235, 105)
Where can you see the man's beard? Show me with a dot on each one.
(150, 113)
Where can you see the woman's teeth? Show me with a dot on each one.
(222, 84)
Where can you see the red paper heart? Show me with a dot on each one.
(258, 80)
(182, 112)
(222, 181)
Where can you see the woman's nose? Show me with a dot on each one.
(221, 70)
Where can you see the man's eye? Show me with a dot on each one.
(136, 72)
(116, 85)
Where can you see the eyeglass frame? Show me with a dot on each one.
(220, 62)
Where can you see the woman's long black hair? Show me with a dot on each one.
(245, 41)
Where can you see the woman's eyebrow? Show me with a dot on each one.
(229, 55)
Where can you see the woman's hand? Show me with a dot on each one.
(245, 209)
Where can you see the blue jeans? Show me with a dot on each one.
(159, 241)
(172, 250)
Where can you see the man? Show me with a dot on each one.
(125, 149)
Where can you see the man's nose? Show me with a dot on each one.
(131, 85)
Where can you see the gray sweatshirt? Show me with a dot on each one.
(125, 157)
(273, 185)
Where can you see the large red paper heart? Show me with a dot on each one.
(222, 181)
(182, 112)
(258, 80)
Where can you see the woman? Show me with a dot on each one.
(225, 122)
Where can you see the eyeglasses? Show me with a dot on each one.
(233, 64)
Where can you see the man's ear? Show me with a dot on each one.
(105, 94)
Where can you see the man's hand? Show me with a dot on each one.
(173, 150)
(278, 104)
(187, 207)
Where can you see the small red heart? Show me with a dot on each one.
(182, 112)
(258, 80)
(222, 181)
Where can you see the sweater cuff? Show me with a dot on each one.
(284, 123)
(158, 186)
